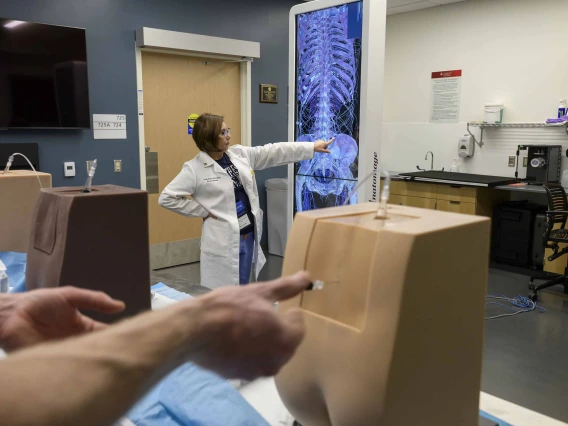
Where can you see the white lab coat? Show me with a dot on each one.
(213, 193)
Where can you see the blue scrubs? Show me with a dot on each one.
(246, 250)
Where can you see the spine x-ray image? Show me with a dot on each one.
(328, 76)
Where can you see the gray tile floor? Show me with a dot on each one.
(524, 355)
(185, 277)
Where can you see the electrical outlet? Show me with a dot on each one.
(512, 161)
(117, 166)
(525, 161)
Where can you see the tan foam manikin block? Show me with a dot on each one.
(19, 190)
(98, 241)
(395, 336)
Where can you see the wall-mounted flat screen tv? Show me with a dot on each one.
(43, 76)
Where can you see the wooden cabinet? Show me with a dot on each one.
(423, 190)
(459, 199)
(448, 198)
(413, 194)
(396, 188)
(425, 203)
(421, 202)
(399, 200)
(455, 206)
(457, 193)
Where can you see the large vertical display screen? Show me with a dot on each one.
(328, 85)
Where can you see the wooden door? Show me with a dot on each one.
(455, 207)
(175, 87)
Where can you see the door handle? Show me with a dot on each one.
(455, 202)
(152, 181)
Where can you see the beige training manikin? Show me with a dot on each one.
(395, 335)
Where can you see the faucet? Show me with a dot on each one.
(431, 162)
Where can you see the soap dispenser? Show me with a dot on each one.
(465, 146)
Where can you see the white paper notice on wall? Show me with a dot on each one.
(140, 102)
(446, 94)
(109, 126)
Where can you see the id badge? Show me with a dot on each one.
(243, 221)
(242, 216)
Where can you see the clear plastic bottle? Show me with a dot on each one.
(563, 108)
(455, 167)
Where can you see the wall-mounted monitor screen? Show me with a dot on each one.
(43, 76)
(328, 85)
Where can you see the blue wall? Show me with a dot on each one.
(110, 26)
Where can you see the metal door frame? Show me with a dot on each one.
(177, 43)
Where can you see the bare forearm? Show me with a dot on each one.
(93, 380)
(7, 306)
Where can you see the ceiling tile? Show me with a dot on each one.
(398, 3)
(409, 7)
(441, 2)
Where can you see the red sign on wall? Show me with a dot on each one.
(447, 74)
(446, 93)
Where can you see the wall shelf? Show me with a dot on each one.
(510, 126)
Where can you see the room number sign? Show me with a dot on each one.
(109, 126)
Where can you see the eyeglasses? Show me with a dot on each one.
(225, 133)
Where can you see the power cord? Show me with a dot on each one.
(11, 160)
(526, 305)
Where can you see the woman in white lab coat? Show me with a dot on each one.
(220, 180)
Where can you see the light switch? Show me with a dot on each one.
(69, 169)
(512, 161)
(117, 166)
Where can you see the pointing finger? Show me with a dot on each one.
(92, 300)
(285, 287)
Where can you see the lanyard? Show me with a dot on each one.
(242, 215)
(241, 209)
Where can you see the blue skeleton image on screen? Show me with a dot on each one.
(327, 88)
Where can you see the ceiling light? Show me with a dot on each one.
(13, 24)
